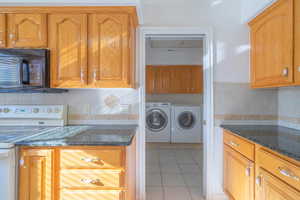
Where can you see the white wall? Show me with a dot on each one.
(250, 8)
(231, 36)
(178, 56)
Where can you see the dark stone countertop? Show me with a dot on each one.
(283, 140)
(103, 135)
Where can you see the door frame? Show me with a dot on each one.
(208, 127)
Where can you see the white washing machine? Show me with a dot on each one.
(186, 124)
(158, 122)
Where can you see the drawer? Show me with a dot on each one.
(91, 195)
(286, 171)
(245, 148)
(91, 158)
(93, 178)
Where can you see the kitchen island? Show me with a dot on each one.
(79, 162)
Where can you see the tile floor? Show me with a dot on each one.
(174, 171)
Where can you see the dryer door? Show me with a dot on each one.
(186, 120)
(156, 120)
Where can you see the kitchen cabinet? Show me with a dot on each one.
(238, 175)
(78, 172)
(90, 47)
(27, 30)
(174, 79)
(2, 30)
(36, 174)
(110, 52)
(68, 47)
(276, 176)
(275, 36)
(269, 188)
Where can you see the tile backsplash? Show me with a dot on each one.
(86, 104)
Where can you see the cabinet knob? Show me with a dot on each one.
(298, 68)
(258, 180)
(91, 160)
(90, 181)
(285, 72)
(248, 171)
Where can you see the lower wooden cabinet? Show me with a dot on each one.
(238, 175)
(77, 173)
(36, 174)
(268, 187)
(270, 176)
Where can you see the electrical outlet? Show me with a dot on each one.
(125, 108)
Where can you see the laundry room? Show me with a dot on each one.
(174, 109)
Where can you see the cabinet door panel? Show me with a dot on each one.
(272, 188)
(297, 42)
(238, 175)
(27, 30)
(272, 46)
(68, 44)
(109, 50)
(2, 30)
(36, 175)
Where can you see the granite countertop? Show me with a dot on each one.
(107, 135)
(283, 140)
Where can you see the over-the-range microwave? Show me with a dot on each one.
(25, 70)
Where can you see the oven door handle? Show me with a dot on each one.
(25, 71)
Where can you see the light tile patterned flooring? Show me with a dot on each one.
(174, 171)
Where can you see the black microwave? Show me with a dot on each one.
(25, 70)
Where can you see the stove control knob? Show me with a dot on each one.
(35, 110)
(49, 110)
(6, 110)
(0, 110)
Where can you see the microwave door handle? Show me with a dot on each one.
(25, 72)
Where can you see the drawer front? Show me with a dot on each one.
(91, 158)
(283, 169)
(91, 195)
(245, 148)
(91, 179)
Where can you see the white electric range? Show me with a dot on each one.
(17, 123)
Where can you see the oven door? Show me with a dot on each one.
(7, 174)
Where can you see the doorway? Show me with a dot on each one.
(176, 169)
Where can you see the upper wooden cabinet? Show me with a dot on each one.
(27, 30)
(2, 30)
(90, 47)
(109, 52)
(174, 79)
(36, 174)
(274, 47)
(68, 47)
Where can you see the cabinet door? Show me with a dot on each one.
(197, 80)
(297, 42)
(272, 46)
(268, 187)
(68, 45)
(2, 30)
(238, 175)
(27, 30)
(109, 51)
(36, 178)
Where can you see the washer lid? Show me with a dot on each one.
(156, 120)
(186, 120)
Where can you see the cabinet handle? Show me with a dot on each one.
(11, 36)
(285, 71)
(248, 171)
(90, 181)
(258, 180)
(233, 144)
(288, 173)
(91, 160)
